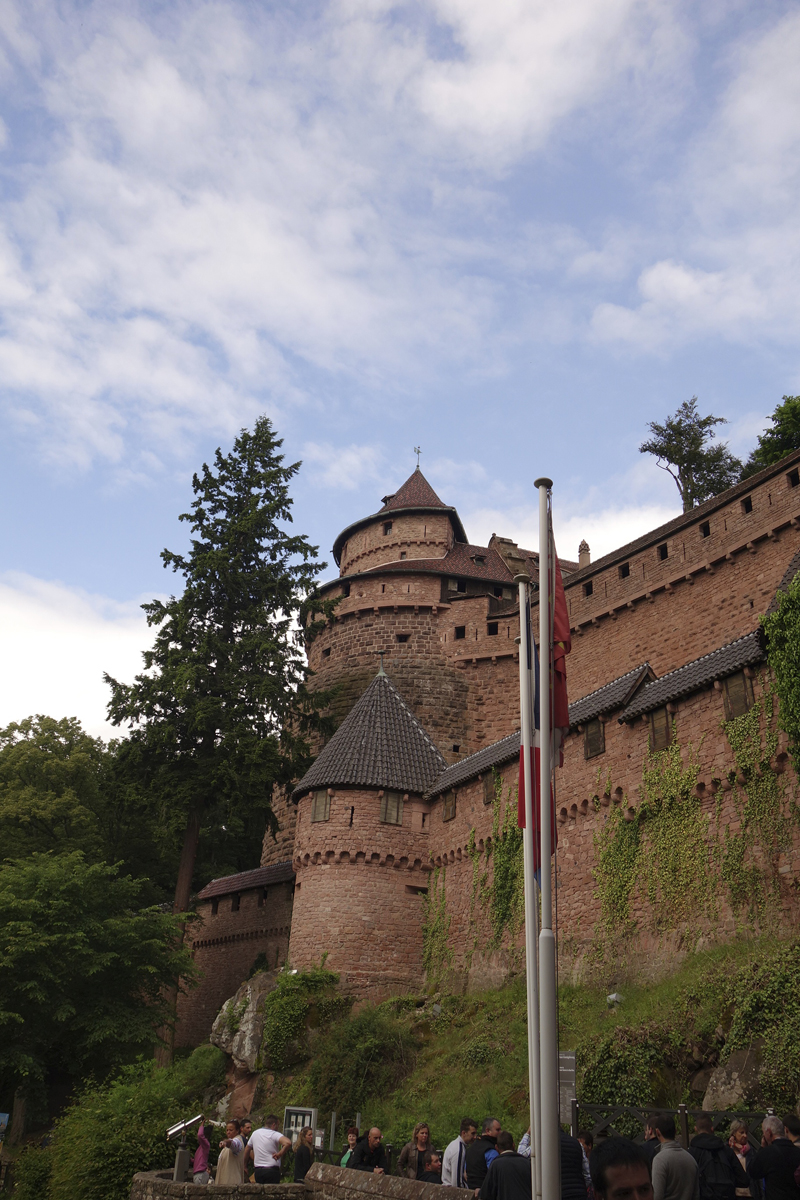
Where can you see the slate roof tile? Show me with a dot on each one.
(475, 764)
(380, 744)
(416, 492)
(743, 652)
(281, 872)
(612, 695)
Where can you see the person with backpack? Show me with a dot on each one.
(674, 1170)
(720, 1172)
(776, 1162)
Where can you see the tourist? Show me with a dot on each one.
(586, 1139)
(651, 1145)
(621, 1171)
(776, 1161)
(432, 1167)
(509, 1173)
(576, 1182)
(719, 1171)
(369, 1154)
(674, 1170)
(454, 1163)
(266, 1148)
(410, 1161)
(247, 1129)
(230, 1166)
(739, 1143)
(482, 1153)
(200, 1162)
(352, 1138)
(791, 1127)
(303, 1153)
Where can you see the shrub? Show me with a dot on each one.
(359, 1057)
(297, 1002)
(32, 1174)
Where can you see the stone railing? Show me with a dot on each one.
(322, 1183)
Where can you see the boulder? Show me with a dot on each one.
(239, 1025)
(735, 1082)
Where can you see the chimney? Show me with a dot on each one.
(584, 554)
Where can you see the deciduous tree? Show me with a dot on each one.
(781, 439)
(681, 445)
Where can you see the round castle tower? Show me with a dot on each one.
(362, 847)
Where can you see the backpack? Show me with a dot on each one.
(716, 1176)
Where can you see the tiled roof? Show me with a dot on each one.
(280, 872)
(695, 675)
(788, 576)
(687, 518)
(610, 696)
(460, 560)
(416, 492)
(380, 744)
(475, 764)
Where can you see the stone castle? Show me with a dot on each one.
(387, 851)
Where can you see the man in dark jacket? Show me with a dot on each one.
(720, 1172)
(482, 1153)
(573, 1179)
(776, 1161)
(369, 1154)
(509, 1174)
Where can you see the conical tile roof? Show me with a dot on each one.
(380, 744)
(416, 492)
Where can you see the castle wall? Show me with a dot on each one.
(225, 944)
(418, 535)
(359, 891)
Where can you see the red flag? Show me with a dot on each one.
(562, 644)
(537, 808)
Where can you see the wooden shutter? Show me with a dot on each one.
(594, 739)
(392, 808)
(660, 729)
(449, 810)
(321, 806)
(738, 696)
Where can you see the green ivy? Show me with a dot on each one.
(436, 953)
(617, 846)
(309, 997)
(782, 633)
(767, 1012)
(506, 893)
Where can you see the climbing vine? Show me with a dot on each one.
(782, 633)
(436, 953)
(299, 1000)
(506, 895)
(617, 845)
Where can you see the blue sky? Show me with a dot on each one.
(511, 233)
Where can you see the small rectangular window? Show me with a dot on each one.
(479, 559)
(346, 589)
(498, 592)
(214, 907)
(625, 570)
(462, 585)
(488, 788)
(594, 739)
(452, 585)
(738, 695)
(326, 653)
(262, 897)
(403, 637)
(747, 504)
(660, 729)
(449, 806)
(460, 632)
(387, 528)
(793, 478)
(491, 629)
(235, 902)
(392, 808)
(588, 588)
(321, 805)
(663, 552)
(705, 529)
(508, 593)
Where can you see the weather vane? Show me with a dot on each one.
(417, 451)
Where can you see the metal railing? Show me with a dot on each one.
(601, 1119)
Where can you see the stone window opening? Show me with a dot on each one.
(663, 552)
(326, 653)
(491, 629)
(392, 808)
(403, 638)
(387, 528)
(747, 504)
(424, 819)
(383, 587)
(321, 805)
(460, 632)
(263, 896)
(594, 739)
(705, 529)
(449, 806)
(588, 588)
(214, 907)
(235, 902)
(414, 890)
(660, 729)
(737, 695)
(457, 749)
(346, 590)
(793, 478)
(625, 570)
(402, 554)
(352, 813)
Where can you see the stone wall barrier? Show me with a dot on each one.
(322, 1182)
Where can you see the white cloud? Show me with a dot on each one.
(55, 644)
(345, 467)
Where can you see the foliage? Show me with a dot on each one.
(680, 444)
(297, 1001)
(436, 952)
(359, 1057)
(218, 714)
(507, 896)
(617, 846)
(620, 1067)
(782, 633)
(82, 967)
(766, 1001)
(116, 1129)
(782, 439)
(32, 1172)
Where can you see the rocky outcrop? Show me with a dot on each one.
(735, 1082)
(239, 1025)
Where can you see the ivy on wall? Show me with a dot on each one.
(297, 1002)
(436, 952)
(782, 634)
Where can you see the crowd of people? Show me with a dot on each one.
(492, 1167)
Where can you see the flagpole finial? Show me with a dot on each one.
(417, 451)
(543, 482)
(523, 578)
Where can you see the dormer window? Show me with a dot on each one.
(478, 559)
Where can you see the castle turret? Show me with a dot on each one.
(362, 847)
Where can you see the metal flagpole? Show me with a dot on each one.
(526, 727)
(548, 1034)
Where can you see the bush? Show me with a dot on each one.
(362, 1056)
(298, 1002)
(32, 1174)
(114, 1130)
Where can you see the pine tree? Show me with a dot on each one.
(218, 715)
(700, 471)
(775, 443)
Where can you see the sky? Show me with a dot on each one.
(511, 234)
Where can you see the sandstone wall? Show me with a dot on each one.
(417, 535)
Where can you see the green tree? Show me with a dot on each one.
(775, 443)
(82, 968)
(218, 716)
(681, 446)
